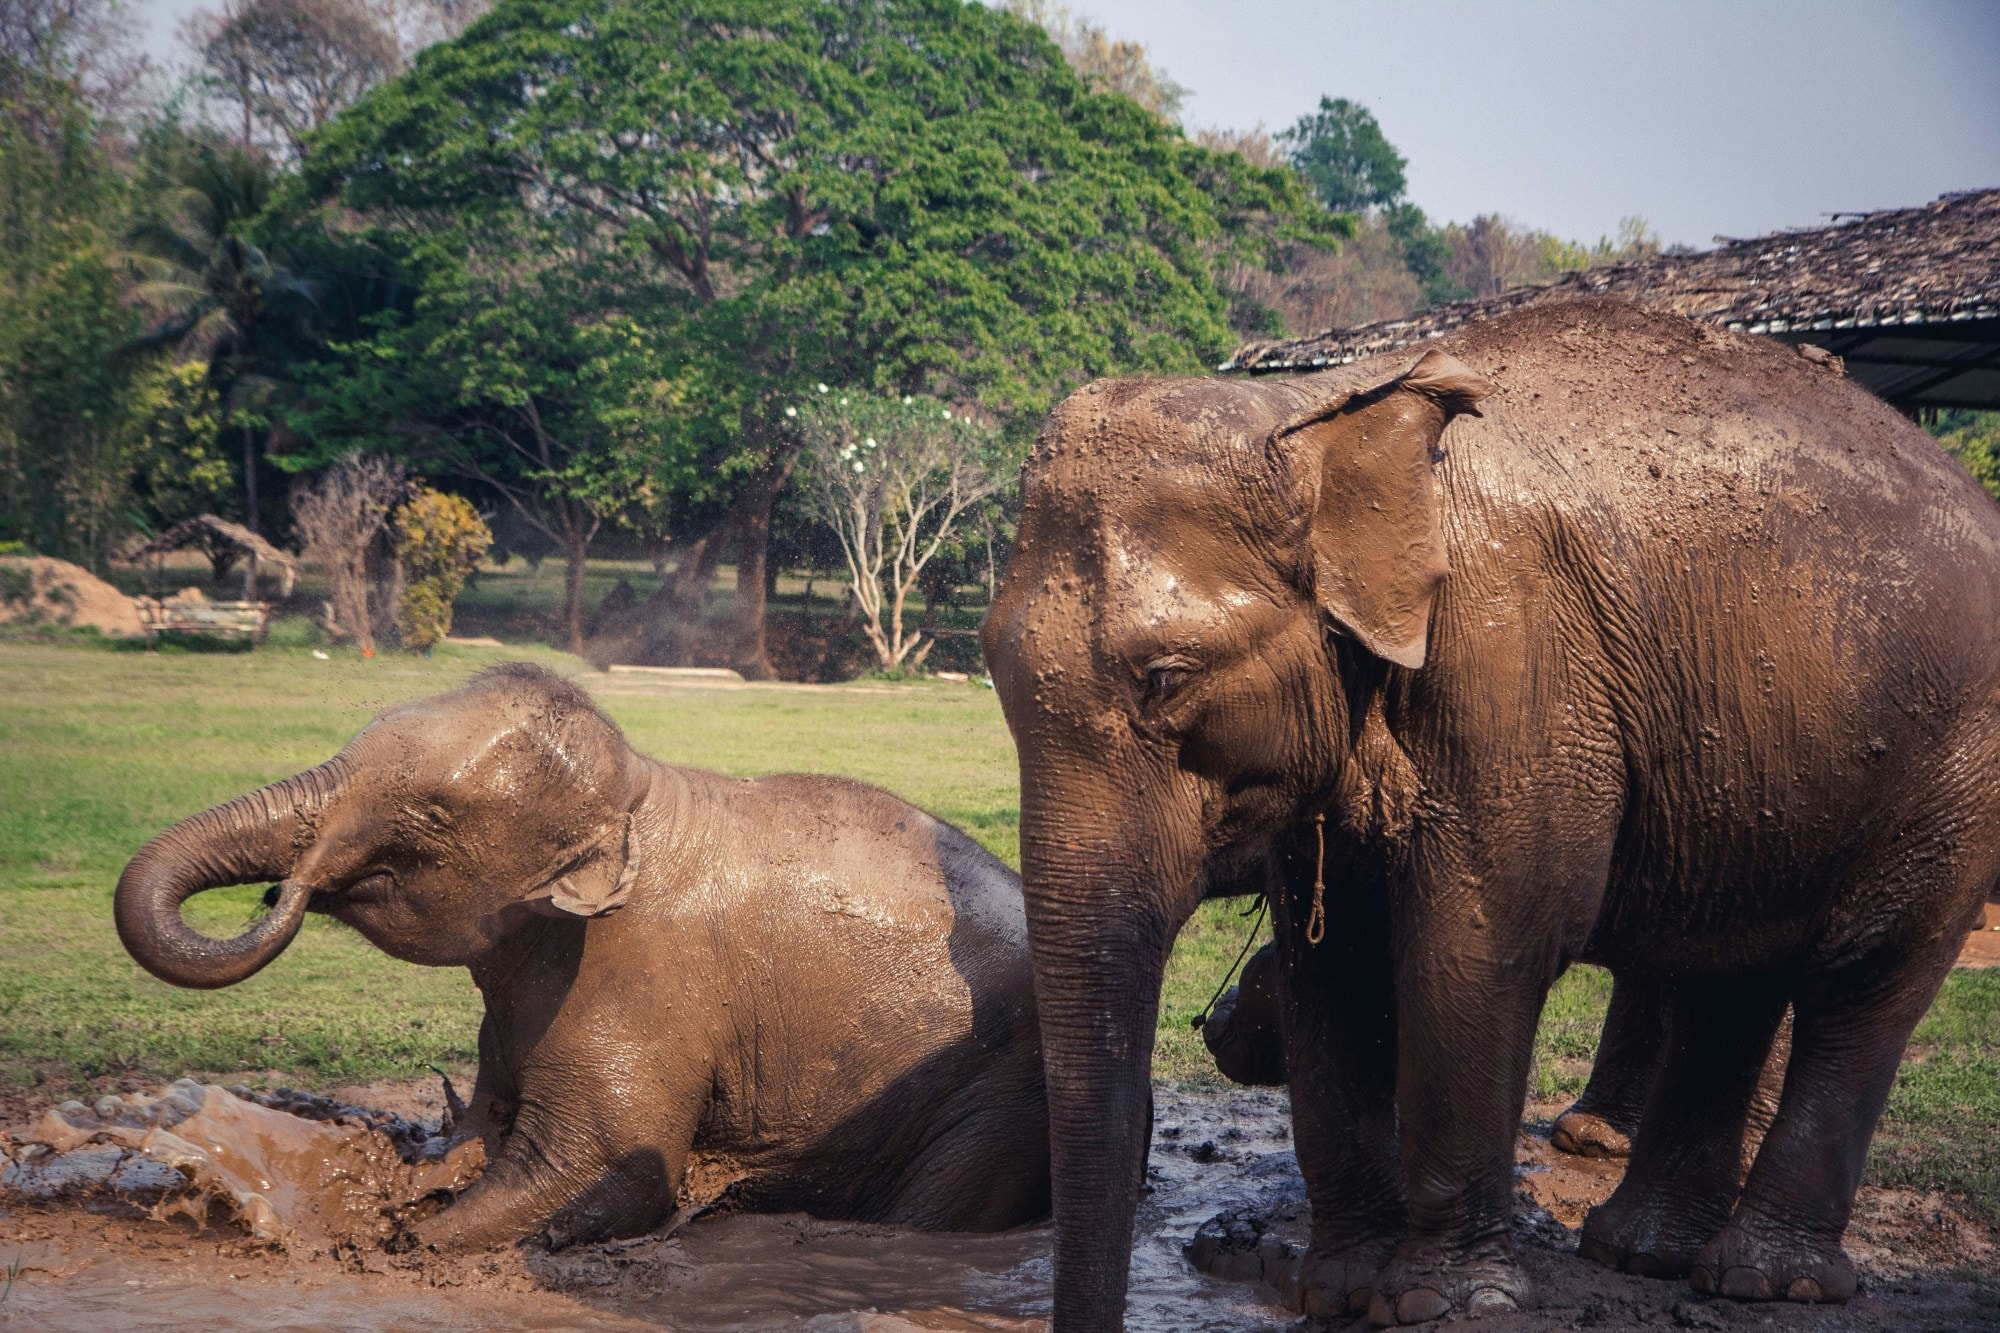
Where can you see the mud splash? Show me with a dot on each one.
(305, 1173)
(100, 1251)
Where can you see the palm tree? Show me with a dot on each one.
(213, 291)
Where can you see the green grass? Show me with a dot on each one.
(1942, 1128)
(99, 750)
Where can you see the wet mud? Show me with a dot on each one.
(198, 1207)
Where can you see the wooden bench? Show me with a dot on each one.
(247, 620)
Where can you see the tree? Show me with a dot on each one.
(1104, 65)
(290, 66)
(1345, 158)
(517, 376)
(83, 47)
(339, 519)
(1255, 145)
(64, 455)
(894, 479)
(212, 291)
(900, 195)
(181, 465)
(1973, 438)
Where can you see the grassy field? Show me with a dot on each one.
(100, 749)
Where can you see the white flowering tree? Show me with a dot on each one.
(893, 478)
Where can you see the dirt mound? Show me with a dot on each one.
(37, 592)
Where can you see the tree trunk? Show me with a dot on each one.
(753, 512)
(579, 548)
(250, 478)
(753, 553)
(682, 594)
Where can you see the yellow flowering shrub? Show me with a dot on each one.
(439, 539)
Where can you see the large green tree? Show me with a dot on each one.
(1344, 156)
(917, 196)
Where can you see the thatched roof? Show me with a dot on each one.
(1909, 297)
(215, 536)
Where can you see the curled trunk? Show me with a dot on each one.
(252, 838)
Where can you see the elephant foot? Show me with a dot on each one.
(1584, 1134)
(1234, 1246)
(1644, 1233)
(1753, 1259)
(1427, 1281)
(1332, 1282)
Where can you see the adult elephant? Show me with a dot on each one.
(798, 988)
(1680, 657)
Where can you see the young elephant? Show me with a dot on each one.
(798, 987)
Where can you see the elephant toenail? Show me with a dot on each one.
(1420, 1305)
(1380, 1312)
(1746, 1284)
(1490, 1300)
(1701, 1280)
(1360, 1300)
(1804, 1290)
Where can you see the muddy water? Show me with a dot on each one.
(274, 1253)
(103, 1262)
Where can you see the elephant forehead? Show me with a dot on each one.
(442, 750)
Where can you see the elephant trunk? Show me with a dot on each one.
(1100, 929)
(254, 837)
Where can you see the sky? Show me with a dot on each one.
(1706, 117)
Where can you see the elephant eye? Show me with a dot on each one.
(1165, 676)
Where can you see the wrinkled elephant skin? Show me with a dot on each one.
(1593, 635)
(798, 990)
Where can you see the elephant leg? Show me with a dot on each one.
(990, 1169)
(1849, 1028)
(1687, 1161)
(1770, 1088)
(579, 1164)
(490, 1114)
(1337, 1003)
(1466, 1012)
(1603, 1120)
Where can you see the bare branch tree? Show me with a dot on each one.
(87, 44)
(339, 519)
(1103, 63)
(290, 66)
(893, 479)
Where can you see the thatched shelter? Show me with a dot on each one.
(1909, 298)
(226, 545)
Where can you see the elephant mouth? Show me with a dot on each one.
(328, 901)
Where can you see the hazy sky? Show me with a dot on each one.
(1706, 116)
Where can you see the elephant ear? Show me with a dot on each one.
(600, 885)
(1376, 543)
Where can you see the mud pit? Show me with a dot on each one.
(107, 1234)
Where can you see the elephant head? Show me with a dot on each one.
(434, 833)
(1209, 574)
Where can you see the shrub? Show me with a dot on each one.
(439, 539)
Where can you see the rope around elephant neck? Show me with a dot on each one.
(1316, 923)
(1201, 1018)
